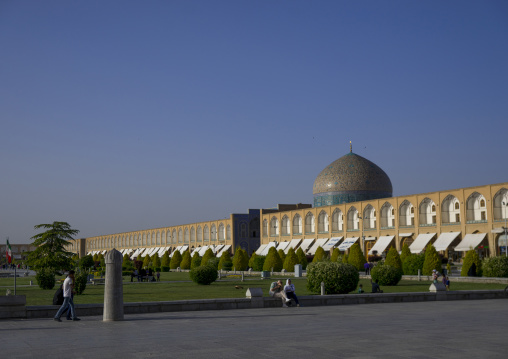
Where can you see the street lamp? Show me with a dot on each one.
(505, 204)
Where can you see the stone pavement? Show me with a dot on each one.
(457, 329)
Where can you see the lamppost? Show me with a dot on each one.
(505, 204)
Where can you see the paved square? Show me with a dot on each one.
(458, 329)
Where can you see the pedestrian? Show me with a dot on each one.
(367, 268)
(68, 291)
(158, 276)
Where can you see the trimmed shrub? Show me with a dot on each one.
(495, 267)
(338, 277)
(252, 259)
(282, 255)
(147, 262)
(204, 275)
(335, 255)
(386, 274)
(356, 257)
(196, 260)
(258, 263)
(45, 278)
(186, 260)
(272, 261)
(290, 261)
(245, 260)
(225, 258)
(319, 256)
(165, 259)
(405, 252)
(165, 268)
(432, 260)
(80, 282)
(207, 256)
(393, 259)
(467, 264)
(175, 260)
(412, 263)
(213, 262)
(302, 259)
(126, 273)
(87, 262)
(156, 261)
(238, 260)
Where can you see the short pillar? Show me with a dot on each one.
(323, 288)
(298, 270)
(113, 291)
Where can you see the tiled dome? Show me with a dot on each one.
(351, 178)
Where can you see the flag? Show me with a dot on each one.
(8, 252)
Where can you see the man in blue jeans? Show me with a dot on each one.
(68, 287)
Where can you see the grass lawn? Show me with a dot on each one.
(177, 286)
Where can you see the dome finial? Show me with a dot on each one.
(350, 147)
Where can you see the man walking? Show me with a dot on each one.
(68, 289)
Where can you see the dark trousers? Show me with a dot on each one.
(292, 295)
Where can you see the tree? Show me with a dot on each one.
(245, 259)
(335, 255)
(225, 261)
(319, 256)
(86, 262)
(196, 260)
(165, 259)
(50, 247)
(156, 260)
(147, 262)
(237, 259)
(207, 256)
(302, 259)
(282, 255)
(252, 260)
(470, 259)
(290, 261)
(393, 259)
(175, 260)
(404, 253)
(272, 261)
(432, 260)
(356, 257)
(186, 260)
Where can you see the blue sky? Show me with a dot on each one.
(127, 115)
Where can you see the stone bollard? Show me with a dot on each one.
(323, 288)
(31, 283)
(242, 276)
(419, 275)
(256, 297)
(298, 270)
(113, 291)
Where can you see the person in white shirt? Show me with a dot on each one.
(68, 287)
(289, 288)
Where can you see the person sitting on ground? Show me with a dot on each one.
(289, 288)
(276, 290)
(360, 289)
(375, 287)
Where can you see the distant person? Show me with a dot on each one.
(375, 287)
(158, 276)
(277, 290)
(360, 289)
(289, 288)
(472, 270)
(68, 289)
(366, 266)
(446, 282)
(435, 276)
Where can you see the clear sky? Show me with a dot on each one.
(128, 115)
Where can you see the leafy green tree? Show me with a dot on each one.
(86, 262)
(282, 255)
(147, 262)
(471, 257)
(50, 247)
(272, 261)
(257, 264)
(245, 259)
(412, 263)
(335, 255)
(393, 259)
(319, 256)
(337, 277)
(302, 258)
(186, 260)
(156, 260)
(356, 257)
(176, 259)
(495, 267)
(165, 259)
(238, 260)
(80, 282)
(252, 260)
(196, 260)
(207, 256)
(290, 261)
(225, 261)
(404, 253)
(95, 257)
(432, 260)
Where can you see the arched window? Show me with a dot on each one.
(500, 210)
(297, 224)
(285, 226)
(213, 231)
(180, 236)
(352, 219)
(265, 228)
(206, 233)
(337, 220)
(450, 210)
(310, 224)
(323, 222)
(193, 234)
(387, 216)
(427, 212)
(254, 227)
(406, 214)
(144, 239)
(200, 234)
(243, 230)
(158, 238)
(186, 238)
(475, 208)
(369, 217)
(228, 232)
(173, 237)
(274, 227)
(221, 232)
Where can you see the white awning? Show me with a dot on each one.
(320, 242)
(382, 243)
(420, 242)
(293, 244)
(203, 250)
(261, 249)
(470, 241)
(282, 245)
(331, 243)
(348, 242)
(498, 230)
(405, 234)
(267, 248)
(370, 238)
(195, 250)
(306, 244)
(218, 248)
(444, 240)
(183, 249)
(162, 250)
(224, 249)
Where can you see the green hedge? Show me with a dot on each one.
(495, 267)
(45, 278)
(412, 263)
(165, 268)
(386, 274)
(272, 261)
(356, 257)
(204, 275)
(80, 282)
(337, 277)
(471, 257)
